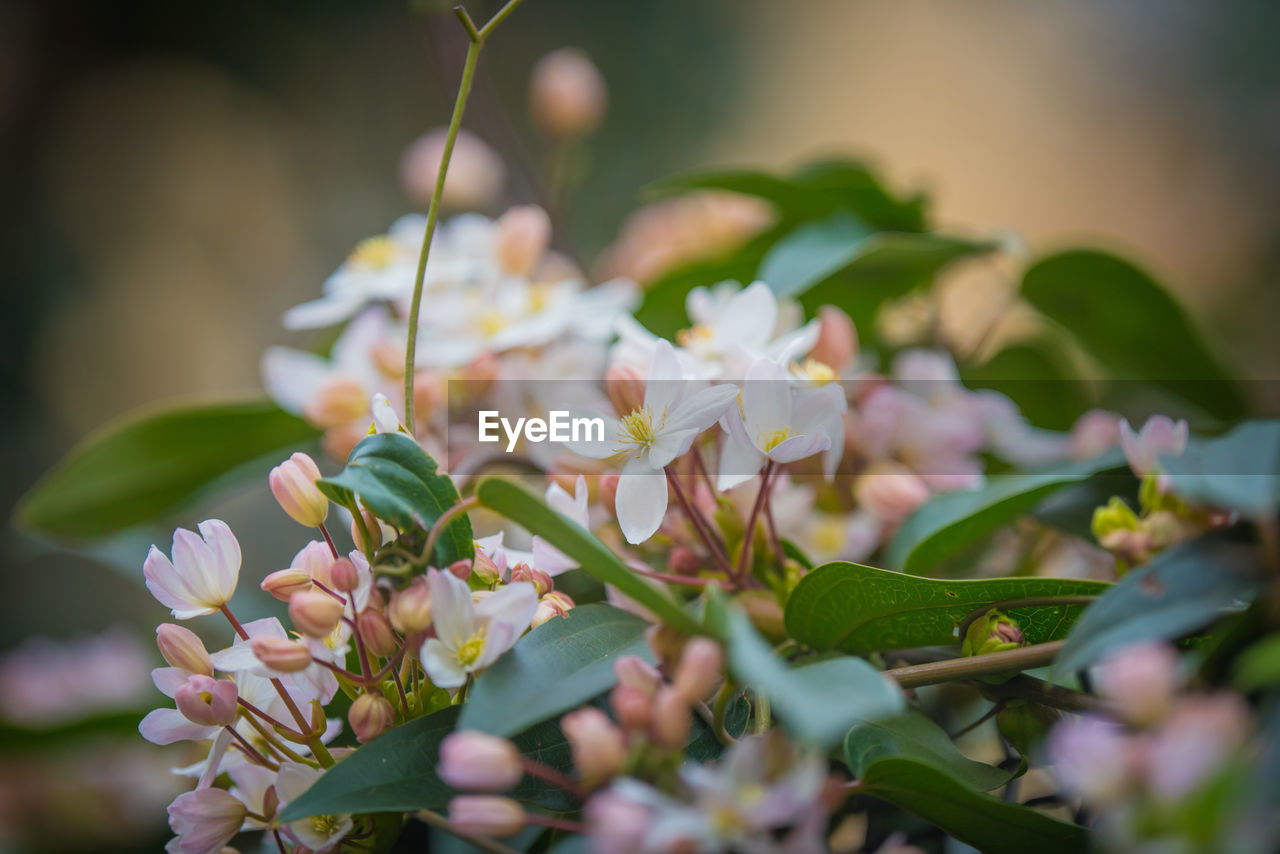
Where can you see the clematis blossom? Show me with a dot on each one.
(546, 557)
(202, 575)
(1161, 435)
(204, 821)
(318, 833)
(470, 636)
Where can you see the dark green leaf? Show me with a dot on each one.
(524, 508)
(1132, 326)
(955, 520)
(857, 608)
(1240, 470)
(1258, 666)
(1179, 591)
(559, 665)
(988, 824)
(915, 735)
(136, 469)
(402, 485)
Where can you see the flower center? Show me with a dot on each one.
(375, 253)
(491, 323)
(818, 373)
(638, 429)
(471, 649)
(774, 438)
(324, 824)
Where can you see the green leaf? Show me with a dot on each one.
(1258, 666)
(817, 702)
(813, 252)
(396, 771)
(1032, 376)
(915, 735)
(516, 503)
(559, 665)
(144, 465)
(988, 824)
(1132, 326)
(862, 609)
(955, 520)
(402, 485)
(1239, 471)
(1179, 591)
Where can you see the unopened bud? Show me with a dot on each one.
(891, 491)
(183, 649)
(992, 632)
(672, 723)
(634, 671)
(485, 815)
(476, 173)
(1141, 680)
(609, 492)
(340, 401)
(684, 561)
(554, 604)
(281, 654)
(460, 569)
(314, 613)
(667, 644)
(410, 608)
(541, 582)
(283, 583)
(625, 387)
(293, 483)
(699, 670)
(524, 232)
(598, 746)
(837, 339)
(1114, 516)
(632, 707)
(372, 526)
(475, 761)
(375, 629)
(344, 576)
(567, 94)
(485, 570)
(207, 701)
(370, 716)
(765, 613)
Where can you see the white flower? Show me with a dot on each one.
(205, 820)
(676, 409)
(546, 557)
(385, 419)
(776, 422)
(319, 833)
(203, 573)
(1161, 435)
(470, 637)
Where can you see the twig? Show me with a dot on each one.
(973, 666)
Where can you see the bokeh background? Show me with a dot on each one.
(174, 176)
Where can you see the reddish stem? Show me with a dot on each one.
(744, 559)
(534, 768)
(687, 580)
(699, 524)
(328, 539)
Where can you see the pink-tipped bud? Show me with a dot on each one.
(1141, 680)
(183, 649)
(891, 491)
(567, 94)
(410, 608)
(541, 582)
(375, 532)
(340, 401)
(554, 604)
(634, 671)
(207, 701)
(344, 576)
(375, 629)
(293, 483)
(485, 569)
(667, 644)
(474, 761)
(485, 815)
(671, 719)
(684, 561)
(460, 569)
(609, 492)
(699, 670)
(632, 707)
(314, 612)
(625, 387)
(598, 746)
(370, 716)
(524, 233)
(837, 339)
(283, 583)
(476, 173)
(281, 654)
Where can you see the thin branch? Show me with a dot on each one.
(973, 666)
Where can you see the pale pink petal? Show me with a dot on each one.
(451, 608)
(513, 605)
(441, 665)
(167, 726)
(641, 501)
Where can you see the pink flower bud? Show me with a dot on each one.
(541, 582)
(632, 707)
(183, 649)
(699, 670)
(375, 629)
(1141, 680)
(281, 654)
(524, 233)
(283, 583)
(625, 387)
(477, 762)
(485, 569)
(460, 569)
(410, 608)
(635, 671)
(837, 339)
(370, 716)
(205, 819)
(1200, 736)
(1093, 433)
(374, 529)
(476, 173)
(485, 815)
(314, 612)
(207, 701)
(671, 721)
(891, 491)
(293, 483)
(684, 561)
(616, 824)
(343, 575)
(598, 746)
(567, 94)
(609, 492)
(338, 402)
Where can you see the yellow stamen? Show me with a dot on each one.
(775, 438)
(491, 323)
(638, 428)
(470, 650)
(818, 373)
(694, 335)
(375, 253)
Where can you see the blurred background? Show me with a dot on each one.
(174, 176)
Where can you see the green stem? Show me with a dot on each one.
(478, 38)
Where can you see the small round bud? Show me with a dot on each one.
(207, 701)
(374, 528)
(891, 491)
(476, 173)
(632, 707)
(598, 746)
(183, 649)
(541, 582)
(567, 94)
(1115, 515)
(1141, 680)
(672, 723)
(625, 387)
(315, 613)
(370, 716)
(484, 569)
(524, 233)
(293, 483)
(410, 608)
(699, 670)
(634, 671)
(485, 815)
(283, 583)
(992, 632)
(460, 569)
(684, 561)
(667, 644)
(281, 654)
(477, 762)
(837, 339)
(344, 576)
(554, 604)
(375, 629)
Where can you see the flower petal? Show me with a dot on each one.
(451, 608)
(513, 605)
(167, 726)
(641, 501)
(441, 665)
